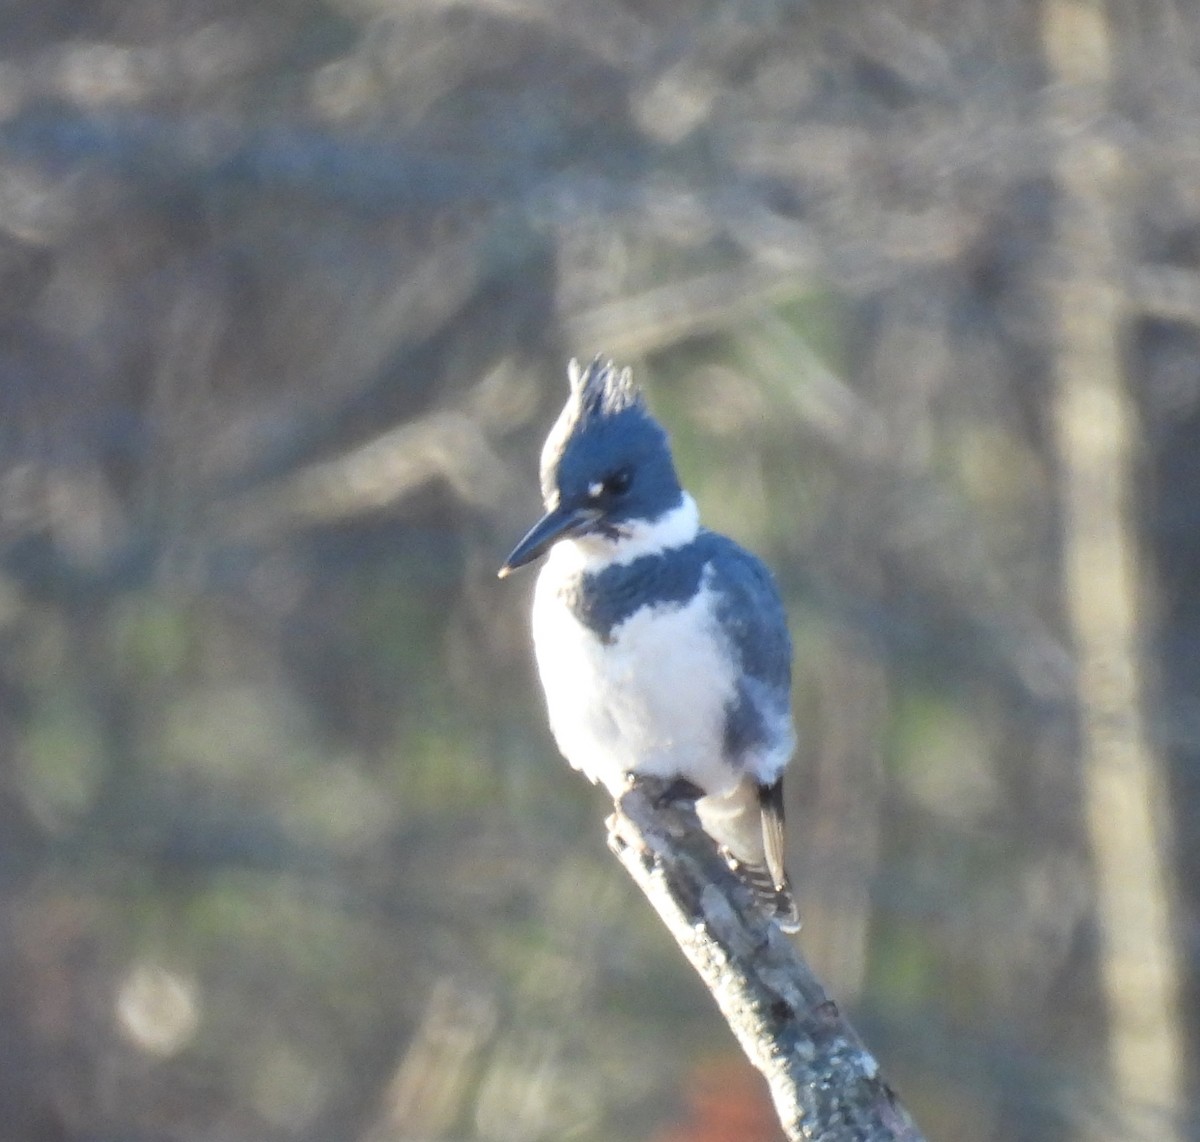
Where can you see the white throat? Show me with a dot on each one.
(642, 537)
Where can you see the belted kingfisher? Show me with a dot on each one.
(662, 647)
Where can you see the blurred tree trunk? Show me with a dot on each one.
(1096, 431)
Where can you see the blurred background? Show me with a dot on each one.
(286, 295)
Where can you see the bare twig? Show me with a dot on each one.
(825, 1083)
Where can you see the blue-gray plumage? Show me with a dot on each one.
(662, 646)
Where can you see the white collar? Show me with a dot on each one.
(673, 528)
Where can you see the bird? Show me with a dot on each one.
(662, 647)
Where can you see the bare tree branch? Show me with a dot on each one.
(825, 1083)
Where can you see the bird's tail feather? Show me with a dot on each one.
(747, 824)
(776, 889)
(776, 899)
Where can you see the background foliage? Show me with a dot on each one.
(286, 292)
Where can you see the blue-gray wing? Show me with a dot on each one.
(758, 722)
(752, 618)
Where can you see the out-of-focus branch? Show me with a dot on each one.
(1165, 292)
(825, 1083)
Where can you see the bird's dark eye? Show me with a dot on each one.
(616, 483)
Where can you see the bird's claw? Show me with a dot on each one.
(678, 792)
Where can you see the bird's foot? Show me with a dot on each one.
(671, 802)
(678, 792)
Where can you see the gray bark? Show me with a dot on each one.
(826, 1085)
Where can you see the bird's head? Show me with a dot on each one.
(606, 465)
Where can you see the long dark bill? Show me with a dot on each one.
(556, 524)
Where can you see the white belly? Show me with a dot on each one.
(651, 701)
